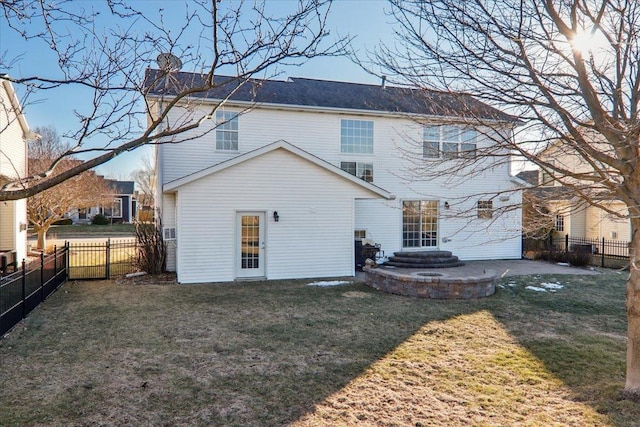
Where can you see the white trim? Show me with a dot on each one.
(17, 110)
(284, 145)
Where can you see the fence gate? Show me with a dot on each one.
(102, 260)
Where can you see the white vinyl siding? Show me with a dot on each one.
(313, 238)
(498, 239)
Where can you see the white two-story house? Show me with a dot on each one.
(285, 175)
(14, 133)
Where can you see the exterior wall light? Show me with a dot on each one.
(276, 217)
(446, 205)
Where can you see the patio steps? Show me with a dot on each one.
(424, 259)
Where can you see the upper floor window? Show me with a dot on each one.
(485, 209)
(559, 222)
(448, 141)
(361, 170)
(356, 136)
(226, 131)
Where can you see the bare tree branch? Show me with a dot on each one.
(106, 65)
(578, 104)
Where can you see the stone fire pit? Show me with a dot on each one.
(431, 284)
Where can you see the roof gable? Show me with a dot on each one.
(312, 93)
(12, 99)
(278, 145)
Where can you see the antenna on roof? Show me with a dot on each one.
(168, 62)
(384, 82)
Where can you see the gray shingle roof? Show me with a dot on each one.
(121, 187)
(530, 177)
(330, 94)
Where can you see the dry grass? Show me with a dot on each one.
(282, 353)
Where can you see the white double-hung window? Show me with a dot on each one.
(448, 141)
(226, 131)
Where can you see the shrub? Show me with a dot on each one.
(152, 252)
(579, 258)
(64, 221)
(100, 219)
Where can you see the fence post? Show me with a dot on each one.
(551, 242)
(55, 266)
(602, 256)
(24, 288)
(42, 276)
(67, 258)
(108, 269)
(566, 243)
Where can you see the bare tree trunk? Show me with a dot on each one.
(42, 238)
(632, 385)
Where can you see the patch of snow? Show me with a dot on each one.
(536, 289)
(136, 274)
(551, 285)
(329, 283)
(511, 284)
(564, 264)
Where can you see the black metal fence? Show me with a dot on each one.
(102, 260)
(601, 250)
(22, 290)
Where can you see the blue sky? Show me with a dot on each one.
(363, 19)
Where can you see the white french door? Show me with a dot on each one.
(250, 244)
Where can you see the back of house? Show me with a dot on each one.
(282, 177)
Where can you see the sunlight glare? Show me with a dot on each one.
(589, 42)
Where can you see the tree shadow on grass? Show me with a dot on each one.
(279, 353)
(578, 333)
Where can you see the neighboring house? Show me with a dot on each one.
(123, 209)
(283, 189)
(14, 133)
(569, 215)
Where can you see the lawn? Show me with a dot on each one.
(284, 353)
(88, 230)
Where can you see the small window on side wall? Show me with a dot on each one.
(362, 170)
(485, 209)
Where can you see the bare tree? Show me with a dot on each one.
(104, 49)
(85, 190)
(567, 69)
(145, 179)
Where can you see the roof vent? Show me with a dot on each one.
(384, 82)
